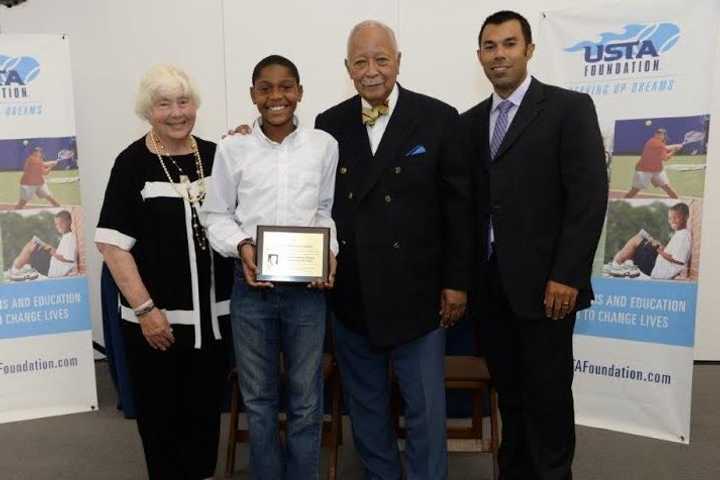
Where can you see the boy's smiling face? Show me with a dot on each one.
(61, 226)
(276, 93)
(676, 220)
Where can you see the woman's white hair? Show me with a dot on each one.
(163, 80)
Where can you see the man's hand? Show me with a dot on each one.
(156, 329)
(243, 129)
(452, 306)
(247, 257)
(330, 283)
(559, 300)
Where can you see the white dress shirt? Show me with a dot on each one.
(68, 249)
(679, 247)
(516, 99)
(375, 133)
(256, 181)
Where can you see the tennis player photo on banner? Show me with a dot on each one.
(46, 358)
(634, 347)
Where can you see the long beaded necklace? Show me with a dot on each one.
(185, 191)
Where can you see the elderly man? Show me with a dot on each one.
(402, 209)
(541, 195)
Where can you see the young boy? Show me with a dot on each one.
(280, 174)
(651, 257)
(649, 169)
(62, 260)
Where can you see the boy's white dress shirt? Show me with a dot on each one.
(256, 181)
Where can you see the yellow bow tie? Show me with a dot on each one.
(370, 115)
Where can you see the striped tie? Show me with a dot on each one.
(501, 126)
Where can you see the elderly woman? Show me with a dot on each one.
(174, 290)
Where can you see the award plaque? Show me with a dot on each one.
(292, 254)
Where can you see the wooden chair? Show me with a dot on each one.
(469, 373)
(331, 427)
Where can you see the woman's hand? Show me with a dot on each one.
(157, 330)
(243, 129)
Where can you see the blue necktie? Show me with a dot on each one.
(501, 126)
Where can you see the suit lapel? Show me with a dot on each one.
(402, 124)
(357, 137)
(530, 107)
(481, 127)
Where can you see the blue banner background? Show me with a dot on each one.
(58, 318)
(619, 298)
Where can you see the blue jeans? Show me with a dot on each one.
(291, 319)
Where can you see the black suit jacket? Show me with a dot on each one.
(404, 220)
(546, 191)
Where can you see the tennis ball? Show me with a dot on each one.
(648, 123)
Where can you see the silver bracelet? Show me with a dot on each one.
(145, 308)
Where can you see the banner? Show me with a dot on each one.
(46, 358)
(646, 64)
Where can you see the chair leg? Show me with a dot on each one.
(477, 423)
(335, 428)
(494, 432)
(232, 437)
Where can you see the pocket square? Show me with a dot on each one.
(416, 150)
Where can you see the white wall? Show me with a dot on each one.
(114, 42)
(707, 325)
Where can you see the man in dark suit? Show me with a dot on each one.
(541, 188)
(403, 210)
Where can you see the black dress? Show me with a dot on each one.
(178, 393)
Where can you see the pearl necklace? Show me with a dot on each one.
(195, 199)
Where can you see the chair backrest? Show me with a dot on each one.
(464, 337)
